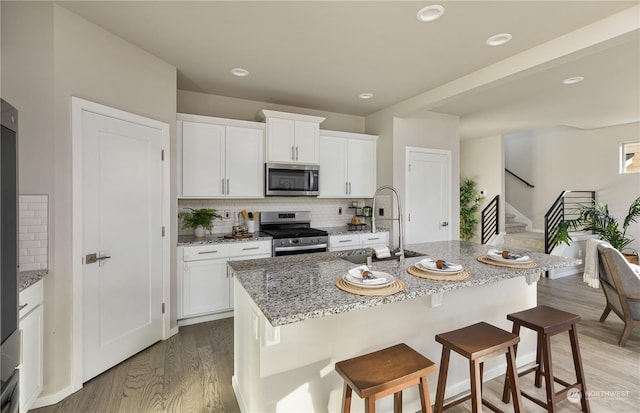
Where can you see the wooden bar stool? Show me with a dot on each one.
(378, 374)
(477, 342)
(547, 322)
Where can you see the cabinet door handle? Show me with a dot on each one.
(228, 186)
(296, 153)
(222, 186)
(251, 248)
(345, 240)
(372, 239)
(293, 156)
(22, 307)
(346, 188)
(207, 252)
(349, 187)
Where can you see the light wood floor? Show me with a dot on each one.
(191, 372)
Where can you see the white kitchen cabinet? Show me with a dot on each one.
(204, 282)
(291, 137)
(357, 240)
(220, 158)
(32, 325)
(347, 165)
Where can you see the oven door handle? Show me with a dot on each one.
(301, 248)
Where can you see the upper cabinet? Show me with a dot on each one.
(347, 165)
(291, 137)
(220, 158)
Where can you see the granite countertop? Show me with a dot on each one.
(28, 278)
(218, 239)
(343, 230)
(295, 288)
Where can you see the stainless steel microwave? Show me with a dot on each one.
(291, 180)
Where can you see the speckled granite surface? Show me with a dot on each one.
(217, 238)
(28, 278)
(295, 288)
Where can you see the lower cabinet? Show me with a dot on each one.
(32, 326)
(204, 282)
(357, 240)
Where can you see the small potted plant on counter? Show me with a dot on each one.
(200, 220)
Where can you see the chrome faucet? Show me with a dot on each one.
(400, 253)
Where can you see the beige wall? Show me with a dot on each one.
(565, 158)
(519, 159)
(225, 107)
(50, 56)
(483, 161)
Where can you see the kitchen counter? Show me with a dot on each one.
(296, 288)
(28, 278)
(343, 230)
(292, 324)
(218, 239)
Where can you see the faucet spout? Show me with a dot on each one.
(399, 219)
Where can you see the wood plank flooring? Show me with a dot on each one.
(191, 372)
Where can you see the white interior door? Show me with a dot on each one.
(428, 195)
(122, 177)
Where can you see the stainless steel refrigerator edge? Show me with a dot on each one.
(10, 346)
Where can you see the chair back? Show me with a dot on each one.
(619, 282)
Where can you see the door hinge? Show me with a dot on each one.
(162, 155)
(162, 308)
(163, 231)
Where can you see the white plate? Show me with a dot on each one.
(358, 282)
(425, 266)
(496, 255)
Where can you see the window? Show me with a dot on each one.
(630, 157)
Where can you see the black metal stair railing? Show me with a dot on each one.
(566, 207)
(490, 219)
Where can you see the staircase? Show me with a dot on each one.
(517, 236)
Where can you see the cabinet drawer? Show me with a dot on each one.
(240, 249)
(343, 241)
(378, 238)
(30, 298)
(206, 252)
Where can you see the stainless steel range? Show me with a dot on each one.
(292, 233)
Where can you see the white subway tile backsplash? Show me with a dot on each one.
(33, 232)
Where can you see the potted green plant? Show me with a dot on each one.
(597, 219)
(199, 219)
(469, 204)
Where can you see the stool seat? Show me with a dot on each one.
(384, 372)
(547, 322)
(477, 343)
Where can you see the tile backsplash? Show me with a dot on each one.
(33, 229)
(324, 212)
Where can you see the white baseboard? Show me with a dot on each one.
(54, 398)
(204, 318)
(236, 389)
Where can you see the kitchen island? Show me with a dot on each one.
(292, 324)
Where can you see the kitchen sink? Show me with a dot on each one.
(362, 258)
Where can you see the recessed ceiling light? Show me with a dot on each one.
(572, 80)
(430, 13)
(240, 72)
(365, 95)
(498, 39)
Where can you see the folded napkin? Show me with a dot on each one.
(493, 253)
(382, 251)
(371, 279)
(431, 264)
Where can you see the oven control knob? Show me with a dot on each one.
(294, 241)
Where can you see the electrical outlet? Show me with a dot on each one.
(227, 214)
(381, 212)
(339, 210)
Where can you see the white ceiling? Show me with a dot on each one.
(322, 54)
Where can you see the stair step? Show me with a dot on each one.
(513, 227)
(509, 218)
(528, 241)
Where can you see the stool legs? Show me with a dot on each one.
(425, 399)
(442, 379)
(346, 399)
(577, 362)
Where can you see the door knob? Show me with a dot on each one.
(444, 224)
